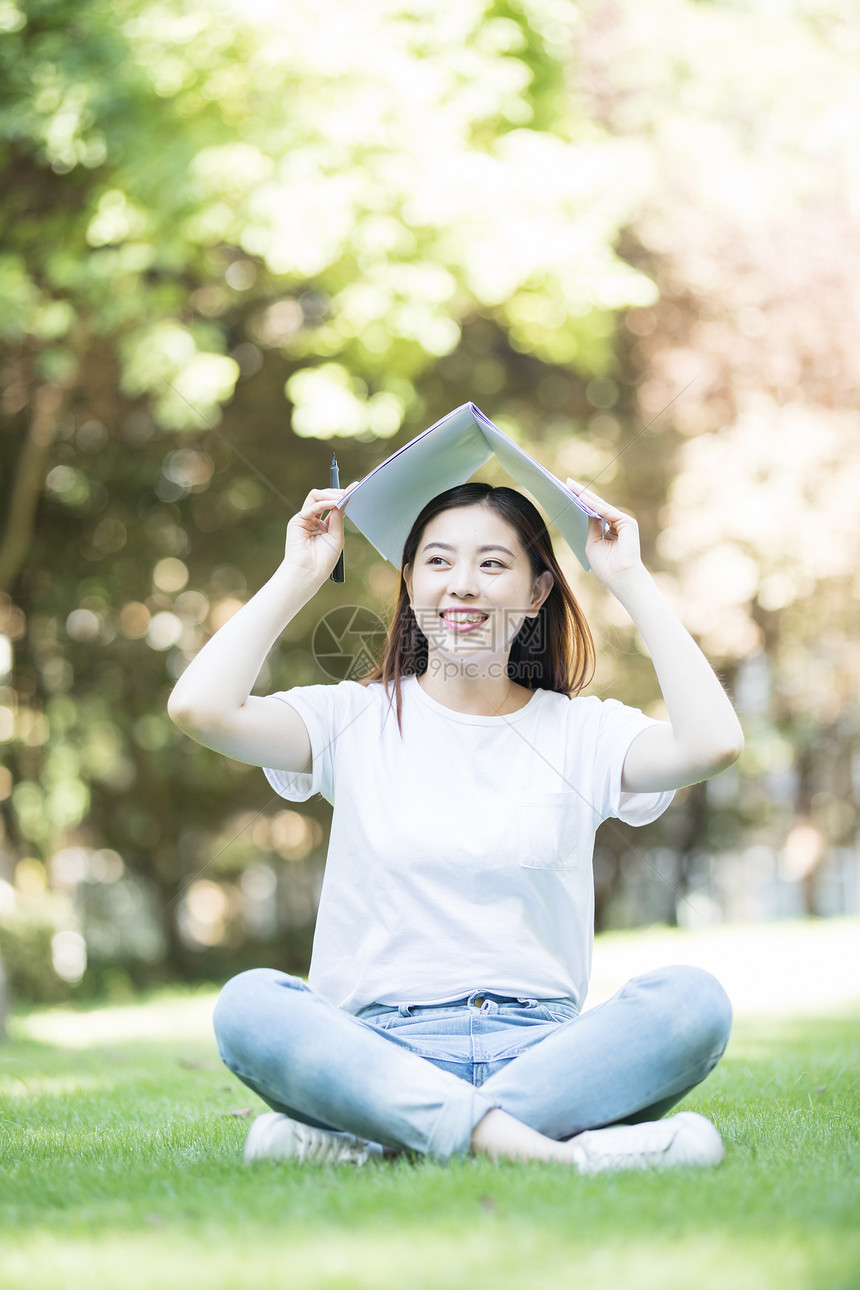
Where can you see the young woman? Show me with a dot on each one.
(453, 942)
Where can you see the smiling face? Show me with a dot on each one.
(471, 585)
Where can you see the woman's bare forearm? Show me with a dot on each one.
(221, 677)
(216, 685)
(703, 735)
(707, 732)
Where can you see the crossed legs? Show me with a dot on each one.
(631, 1059)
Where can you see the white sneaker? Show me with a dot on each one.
(276, 1137)
(685, 1139)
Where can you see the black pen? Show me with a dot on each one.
(334, 482)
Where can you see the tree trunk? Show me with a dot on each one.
(29, 480)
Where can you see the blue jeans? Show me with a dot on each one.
(420, 1078)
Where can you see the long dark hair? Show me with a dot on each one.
(552, 651)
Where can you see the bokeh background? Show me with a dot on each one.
(236, 235)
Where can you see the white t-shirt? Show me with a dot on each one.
(460, 854)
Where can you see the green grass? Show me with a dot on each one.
(121, 1168)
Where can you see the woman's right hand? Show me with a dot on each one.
(313, 543)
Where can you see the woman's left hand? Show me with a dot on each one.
(617, 553)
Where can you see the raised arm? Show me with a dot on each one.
(703, 735)
(212, 700)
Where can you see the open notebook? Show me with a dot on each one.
(385, 503)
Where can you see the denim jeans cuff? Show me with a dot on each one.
(452, 1132)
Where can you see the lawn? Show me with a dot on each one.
(121, 1169)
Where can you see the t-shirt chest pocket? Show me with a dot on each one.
(555, 831)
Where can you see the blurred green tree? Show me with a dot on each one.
(220, 205)
(232, 231)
